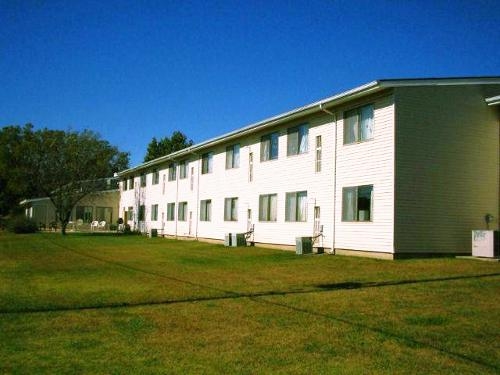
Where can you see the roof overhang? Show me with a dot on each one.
(316, 107)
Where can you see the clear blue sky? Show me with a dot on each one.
(132, 70)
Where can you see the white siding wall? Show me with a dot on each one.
(368, 163)
(286, 174)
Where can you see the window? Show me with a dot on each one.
(124, 184)
(182, 211)
(298, 140)
(250, 167)
(142, 212)
(84, 213)
(172, 172)
(182, 169)
(170, 211)
(154, 212)
(130, 213)
(268, 205)
(296, 206)
(233, 157)
(318, 154)
(357, 203)
(206, 162)
(156, 177)
(206, 210)
(358, 124)
(231, 209)
(143, 180)
(191, 182)
(104, 214)
(269, 147)
(131, 183)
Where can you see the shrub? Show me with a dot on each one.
(113, 227)
(21, 224)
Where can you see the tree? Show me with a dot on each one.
(64, 166)
(166, 145)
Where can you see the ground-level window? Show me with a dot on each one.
(357, 203)
(84, 213)
(182, 211)
(154, 212)
(297, 142)
(231, 209)
(269, 147)
(207, 162)
(358, 124)
(268, 204)
(296, 206)
(130, 213)
(233, 156)
(206, 210)
(170, 211)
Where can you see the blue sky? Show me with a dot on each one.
(132, 70)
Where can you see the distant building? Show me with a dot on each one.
(393, 168)
(99, 206)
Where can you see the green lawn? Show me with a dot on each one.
(118, 305)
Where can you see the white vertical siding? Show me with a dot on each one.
(368, 163)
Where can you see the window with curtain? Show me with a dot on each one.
(206, 210)
(233, 156)
(154, 212)
(358, 124)
(269, 147)
(297, 141)
(207, 162)
(231, 209)
(156, 177)
(172, 172)
(170, 211)
(143, 180)
(182, 211)
(268, 204)
(182, 169)
(296, 206)
(357, 203)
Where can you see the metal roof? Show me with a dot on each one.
(318, 106)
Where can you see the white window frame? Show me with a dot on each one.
(233, 156)
(357, 127)
(154, 212)
(206, 210)
(231, 209)
(171, 211)
(182, 211)
(355, 208)
(268, 207)
(297, 140)
(293, 210)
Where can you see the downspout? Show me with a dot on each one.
(197, 195)
(333, 114)
(176, 197)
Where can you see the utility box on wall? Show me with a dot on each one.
(486, 243)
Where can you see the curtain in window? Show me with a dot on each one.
(366, 122)
(351, 127)
(263, 204)
(348, 204)
(234, 209)
(293, 142)
(265, 146)
(302, 206)
(304, 139)
(291, 206)
(236, 156)
(273, 207)
(229, 157)
(274, 146)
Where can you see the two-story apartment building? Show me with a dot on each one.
(392, 168)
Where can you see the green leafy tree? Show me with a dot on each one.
(158, 148)
(64, 166)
